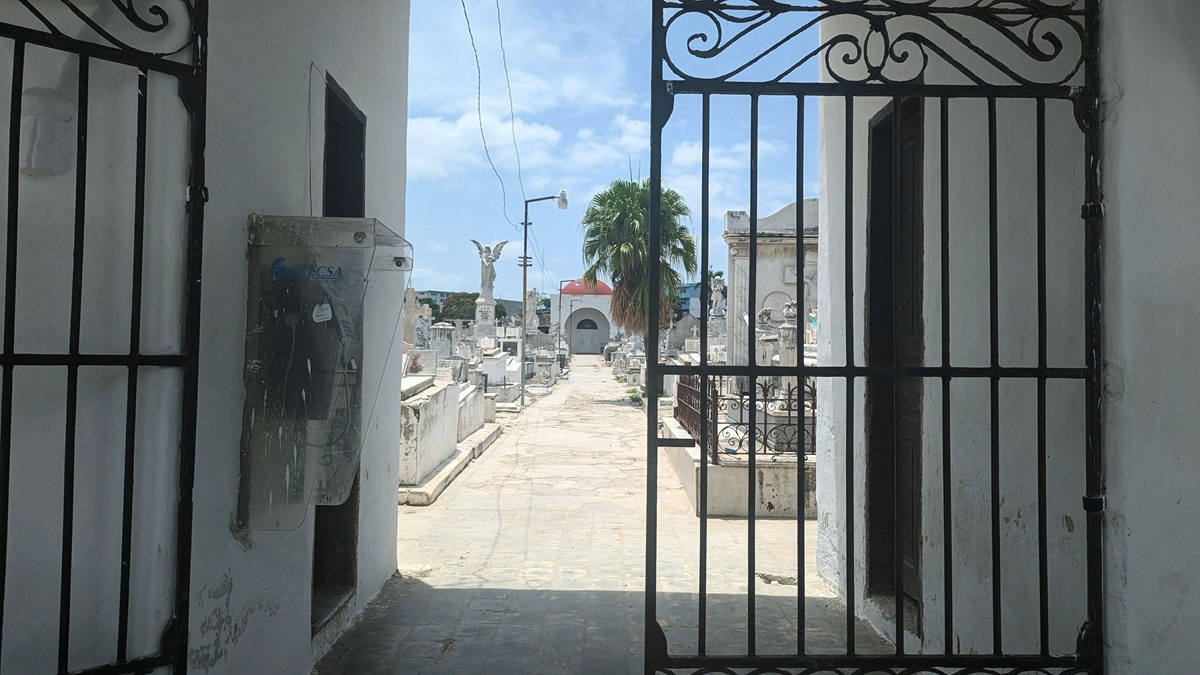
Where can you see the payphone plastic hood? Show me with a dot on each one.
(309, 382)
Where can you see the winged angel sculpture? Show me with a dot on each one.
(488, 255)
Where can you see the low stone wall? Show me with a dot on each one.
(428, 432)
(776, 492)
(470, 410)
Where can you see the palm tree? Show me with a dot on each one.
(616, 243)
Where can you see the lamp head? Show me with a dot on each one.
(562, 200)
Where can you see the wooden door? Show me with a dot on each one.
(895, 338)
(909, 348)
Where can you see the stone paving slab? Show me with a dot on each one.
(533, 561)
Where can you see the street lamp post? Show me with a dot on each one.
(525, 265)
(570, 327)
(559, 332)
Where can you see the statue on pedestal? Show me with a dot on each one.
(531, 316)
(717, 297)
(488, 255)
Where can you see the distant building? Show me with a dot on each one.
(438, 297)
(689, 297)
(777, 270)
(583, 316)
(513, 307)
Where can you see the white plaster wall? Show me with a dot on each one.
(470, 410)
(772, 262)
(583, 341)
(250, 594)
(429, 424)
(262, 111)
(1152, 431)
(599, 303)
(970, 346)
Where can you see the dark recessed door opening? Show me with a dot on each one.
(895, 333)
(335, 530)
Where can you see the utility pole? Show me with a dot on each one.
(525, 265)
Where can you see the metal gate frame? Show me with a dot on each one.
(188, 64)
(1082, 88)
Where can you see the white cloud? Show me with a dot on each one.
(554, 60)
(439, 147)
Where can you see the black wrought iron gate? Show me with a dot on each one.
(959, 139)
(98, 402)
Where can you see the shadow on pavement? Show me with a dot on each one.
(416, 628)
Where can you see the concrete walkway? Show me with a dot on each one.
(532, 561)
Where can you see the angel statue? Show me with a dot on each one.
(487, 267)
(717, 297)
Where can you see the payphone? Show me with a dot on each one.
(306, 379)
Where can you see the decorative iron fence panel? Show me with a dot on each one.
(781, 418)
(124, 85)
(967, 99)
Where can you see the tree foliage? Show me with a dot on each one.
(461, 306)
(617, 244)
(437, 310)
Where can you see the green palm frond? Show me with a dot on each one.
(616, 243)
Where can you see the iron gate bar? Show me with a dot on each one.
(1093, 211)
(72, 407)
(10, 316)
(705, 290)
(136, 59)
(956, 372)
(801, 379)
(194, 92)
(876, 664)
(131, 386)
(897, 384)
(85, 360)
(872, 90)
(752, 357)
(947, 462)
(192, 79)
(661, 102)
(1043, 363)
(848, 245)
(846, 7)
(994, 330)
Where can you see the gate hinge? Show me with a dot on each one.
(1094, 504)
(197, 193)
(169, 642)
(1092, 210)
(1086, 642)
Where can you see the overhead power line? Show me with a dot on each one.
(479, 112)
(512, 112)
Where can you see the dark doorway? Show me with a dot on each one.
(345, 187)
(335, 531)
(896, 337)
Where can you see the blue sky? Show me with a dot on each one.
(580, 73)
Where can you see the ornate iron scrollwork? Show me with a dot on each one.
(983, 42)
(128, 25)
(778, 423)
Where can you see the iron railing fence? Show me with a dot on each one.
(782, 425)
